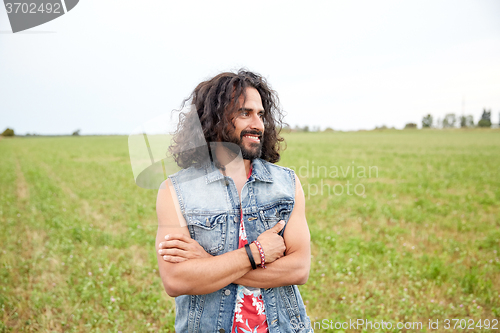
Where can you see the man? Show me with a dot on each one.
(230, 210)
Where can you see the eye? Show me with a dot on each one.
(261, 115)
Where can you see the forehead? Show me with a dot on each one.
(252, 100)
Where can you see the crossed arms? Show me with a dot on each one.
(186, 269)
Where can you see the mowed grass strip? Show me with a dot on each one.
(404, 227)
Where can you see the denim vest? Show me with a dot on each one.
(210, 204)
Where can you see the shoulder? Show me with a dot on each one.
(276, 168)
(279, 171)
(187, 174)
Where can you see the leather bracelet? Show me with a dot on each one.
(250, 256)
(261, 252)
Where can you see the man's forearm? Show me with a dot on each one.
(205, 275)
(288, 270)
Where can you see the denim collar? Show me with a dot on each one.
(259, 172)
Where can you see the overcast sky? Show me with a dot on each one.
(108, 66)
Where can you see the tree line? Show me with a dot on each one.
(451, 120)
(10, 132)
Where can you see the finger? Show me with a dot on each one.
(179, 237)
(278, 227)
(173, 259)
(178, 244)
(174, 252)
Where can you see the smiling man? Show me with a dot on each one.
(233, 241)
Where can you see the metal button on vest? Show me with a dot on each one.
(226, 182)
(207, 222)
(227, 292)
(235, 219)
(222, 330)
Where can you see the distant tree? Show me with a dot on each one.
(8, 132)
(383, 127)
(76, 133)
(410, 126)
(427, 121)
(306, 128)
(449, 120)
(463, 121)
(469, 121)
(328, 129)
(466, 121)
(485, 119)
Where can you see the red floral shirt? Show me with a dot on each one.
(249, 312)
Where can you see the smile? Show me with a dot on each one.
(253, 138)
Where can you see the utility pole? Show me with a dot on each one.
(463, 112)
(463, 105)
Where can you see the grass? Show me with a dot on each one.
(417, 236)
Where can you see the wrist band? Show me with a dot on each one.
(262, 256)
(250, 256)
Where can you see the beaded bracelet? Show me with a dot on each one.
(262, 256)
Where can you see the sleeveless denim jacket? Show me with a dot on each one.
(210, 204)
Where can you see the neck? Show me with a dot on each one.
(233, 164)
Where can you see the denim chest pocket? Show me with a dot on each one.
(275, 213)
(208, 230)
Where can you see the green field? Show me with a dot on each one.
(416, 236)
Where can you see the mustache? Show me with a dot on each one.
(258, 133)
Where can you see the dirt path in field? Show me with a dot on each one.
(22, 190)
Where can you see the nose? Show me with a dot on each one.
(257, 123)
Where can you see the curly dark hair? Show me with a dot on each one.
(213, 102)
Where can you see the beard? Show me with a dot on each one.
(254, 149)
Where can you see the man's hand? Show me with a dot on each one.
(179, 247)
(272, 243)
